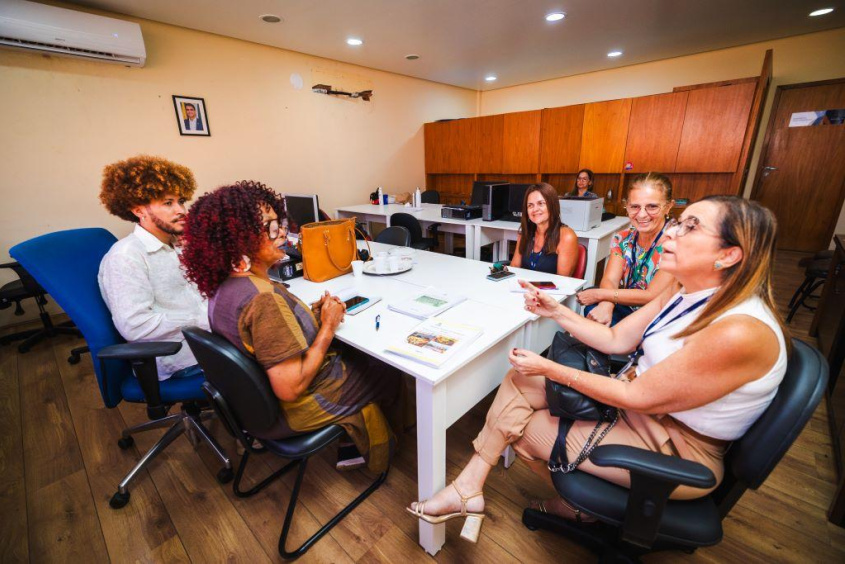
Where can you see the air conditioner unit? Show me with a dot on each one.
(46, 29)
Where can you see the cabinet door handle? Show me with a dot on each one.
(769, 168)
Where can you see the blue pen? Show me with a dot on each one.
(378, 322)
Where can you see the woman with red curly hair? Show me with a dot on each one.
(233, 237)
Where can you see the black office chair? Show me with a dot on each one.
(244, 401)
(395, 235)
(23, 288)
(815, 273)
(430, 197)
(412, 224)
(641, 520)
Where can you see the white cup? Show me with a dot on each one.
(358, 267)
(395, 263)
(380, 262)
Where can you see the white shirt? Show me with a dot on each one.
(192, 125)
(729, 417)
(143, 285)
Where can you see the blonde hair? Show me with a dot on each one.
(752, 228)
(653, 179)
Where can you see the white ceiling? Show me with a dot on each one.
(461, 41)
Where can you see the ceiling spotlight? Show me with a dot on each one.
(412, 57)
(614, 54)
(555, 16)
(490, 78)
(270, 18)
(354, 41)
(821, 12)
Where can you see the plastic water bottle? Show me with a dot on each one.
(417, 198)
(380, 197)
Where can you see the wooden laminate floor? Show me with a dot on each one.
(59, 465)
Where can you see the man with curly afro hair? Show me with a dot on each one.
(141, 277)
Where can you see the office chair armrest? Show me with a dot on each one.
(432, 230)
(140, 350)
(654, 477)
(142, 356)
(661, 467)
(8, 265)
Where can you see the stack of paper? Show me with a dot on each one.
(427, 304)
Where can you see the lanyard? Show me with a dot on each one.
(652, 327)
(634, 268)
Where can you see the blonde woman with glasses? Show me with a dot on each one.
(633, 277)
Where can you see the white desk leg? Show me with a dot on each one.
(470, 235)
(449, 242)
(431, 456)
(592, 262)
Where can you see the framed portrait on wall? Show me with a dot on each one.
(191, 116)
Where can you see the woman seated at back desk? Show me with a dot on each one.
(544, 244)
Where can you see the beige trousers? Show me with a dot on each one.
(520, 417)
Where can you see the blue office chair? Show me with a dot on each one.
(66, 264)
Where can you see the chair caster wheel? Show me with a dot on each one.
(225, 475)
(125, 442)
(73, 359)
(118, 500)
(530, 527)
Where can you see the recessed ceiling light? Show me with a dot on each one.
(555, 16)
(270, 18)
(491, 78)
(412, 57)
(354, 41)
(613, 54)
(821, 12)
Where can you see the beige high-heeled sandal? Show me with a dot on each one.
(472, 524)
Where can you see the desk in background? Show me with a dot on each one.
(479, 233)
(443, 395)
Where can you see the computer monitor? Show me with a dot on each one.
(516, 195)
(301, 209)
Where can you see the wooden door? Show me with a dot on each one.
(654, 132)
(801, 174)
(560, 139)
(521, 143)
(604, 134)
(714, 128)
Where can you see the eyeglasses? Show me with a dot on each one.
(686, 225)
(634, 209)
(275, 229)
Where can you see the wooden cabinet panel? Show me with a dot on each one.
(521, 142)
(654, 132)
(604, 135)
(491, 134)
(560, 139)
(451, 146)
(714, 128)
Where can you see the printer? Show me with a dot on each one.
(581, 214)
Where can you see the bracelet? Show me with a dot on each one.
(616, 297)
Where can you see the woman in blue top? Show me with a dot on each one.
(544, 244)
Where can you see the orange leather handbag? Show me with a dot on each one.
(328, 248)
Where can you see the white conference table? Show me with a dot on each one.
(479, 232)
(444, 395)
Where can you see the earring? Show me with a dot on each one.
(717, 265)
(245, 265)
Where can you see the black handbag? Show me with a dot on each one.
(564, 401)
(570, 405)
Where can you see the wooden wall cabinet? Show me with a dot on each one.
(453, 146)
(491, 136)
(654, 132)
(604, 135)
(714, 128)
(560, 139)
(521, 143)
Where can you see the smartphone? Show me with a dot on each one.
(543, 285)
(501, 275)
(357, 301)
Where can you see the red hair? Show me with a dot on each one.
(222, 227)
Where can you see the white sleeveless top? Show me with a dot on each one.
(729, 417)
